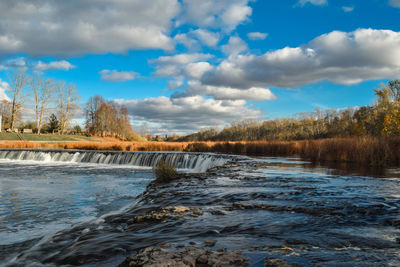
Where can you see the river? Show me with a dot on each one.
(59, 211)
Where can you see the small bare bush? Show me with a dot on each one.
(164, 172)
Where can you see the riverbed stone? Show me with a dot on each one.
(276, 263)
(190, 257)
(210, 243)
(170, 212)
(218, 212)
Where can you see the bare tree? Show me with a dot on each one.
(43, 90)
(143, 129)
(67, 96)
(91, 109)
(18, 82)
(5, 113)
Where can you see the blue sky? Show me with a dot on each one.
(180, 66)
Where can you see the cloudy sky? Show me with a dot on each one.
(180, 65)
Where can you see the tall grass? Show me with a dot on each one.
(365, 151)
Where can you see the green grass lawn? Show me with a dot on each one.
(46, 137)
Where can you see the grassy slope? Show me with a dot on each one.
(46, 137)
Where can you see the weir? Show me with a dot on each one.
(194, 162)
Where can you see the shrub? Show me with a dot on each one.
(164, 172)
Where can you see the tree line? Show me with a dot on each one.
(54, 104)
(380, 119)
(41, 95)
(108, 119)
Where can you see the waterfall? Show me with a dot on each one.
(194, 162)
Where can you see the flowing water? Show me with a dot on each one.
(62, 210)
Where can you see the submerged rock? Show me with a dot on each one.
(279, 263)
(190, 257)
(170, 212)
(275, 263)
(218, 212)
(210, 243)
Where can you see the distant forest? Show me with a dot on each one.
(380, 119)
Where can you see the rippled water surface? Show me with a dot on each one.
(266, 207)
(38, 199)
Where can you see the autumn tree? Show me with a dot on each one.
(108, 119)
(91, 108)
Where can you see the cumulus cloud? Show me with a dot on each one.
(183, 38)
(314, 2)
(117, 76)
(170, 66)
(257, 35)
(227, 14)
(235, 14)
(51, 27)
(206, 37)
(226, 93)
(348, 8)
(339, 57)
(176, 83)
(394, 3)
(187, 114)
(234, 46)
(4, 86)
(197, 69)
(54, 65)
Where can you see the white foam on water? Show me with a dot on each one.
(190, 162)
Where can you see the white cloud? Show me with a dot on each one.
(54, 65)
(348, 8)
(235, 14)
(19, 63)
(4, 86)
(197, 69)
(314, 2)
(339, 57)
(188, 114)
(257, 35)
(117, 76)
(234, 46)
(226, 14)
(170, 66)
(52, 27)
(206, 37)
(226, 93)
(394, 3)
(176, 83)
(184, 39)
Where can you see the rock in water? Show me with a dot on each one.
(190, 257)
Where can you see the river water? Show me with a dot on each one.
(83, 214)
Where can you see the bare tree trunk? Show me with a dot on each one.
(43, 90)
(67, 98)
(18, 81)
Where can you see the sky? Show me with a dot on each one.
(183, 65)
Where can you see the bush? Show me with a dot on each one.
(164, 172)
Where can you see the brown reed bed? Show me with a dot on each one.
(363, 151)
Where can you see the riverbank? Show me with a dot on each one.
(362, 151)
